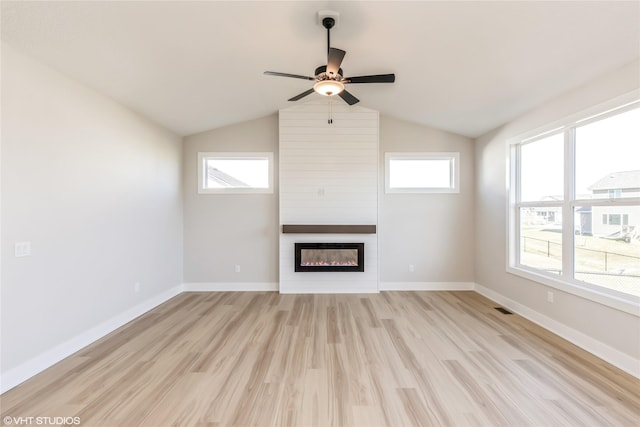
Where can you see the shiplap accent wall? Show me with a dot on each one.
(328, 175)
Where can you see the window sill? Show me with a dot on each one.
(235, 191)
(395, 190)
(616, 300)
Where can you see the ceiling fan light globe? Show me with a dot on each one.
(328, 87)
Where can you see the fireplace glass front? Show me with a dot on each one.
(329, 257)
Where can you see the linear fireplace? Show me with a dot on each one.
(329, 257)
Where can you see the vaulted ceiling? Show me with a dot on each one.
(466, 67)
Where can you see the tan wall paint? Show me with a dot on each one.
(433, 232)
(609, 326)
(222, 231)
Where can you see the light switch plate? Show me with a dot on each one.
(22, 249)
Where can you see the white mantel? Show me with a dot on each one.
(328, 175)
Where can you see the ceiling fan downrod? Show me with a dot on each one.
(328, 23)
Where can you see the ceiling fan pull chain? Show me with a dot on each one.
(330, 121)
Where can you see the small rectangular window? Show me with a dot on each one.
(422, 172)
(615, 194)
(235, 172)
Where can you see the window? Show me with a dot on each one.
(235, 173)
(615, 194)
(422, 172)
(540, 218)
(574, 210)
(614, 219)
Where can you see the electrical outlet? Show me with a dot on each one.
(411, 268)
(237, 268)
(136, 287)
(550, 297)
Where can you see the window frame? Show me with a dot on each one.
(254, 155)
(454, 171)
(565, 281)
(615, 219)
(614, 193)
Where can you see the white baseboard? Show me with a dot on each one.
(426, 286)
(230, 286)
(28, 369)
(605, 352)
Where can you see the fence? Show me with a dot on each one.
(541, 246)
(590, 260)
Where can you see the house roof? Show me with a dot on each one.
(462, 66)
(617, 180)
(224, 179)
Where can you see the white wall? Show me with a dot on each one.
(220, 230)
(433, 232)
(328, 175)
(95, 189)
(607, 332)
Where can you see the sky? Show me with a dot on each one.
(602, 147)
(407, 173)
(251, 171)
(610, 145)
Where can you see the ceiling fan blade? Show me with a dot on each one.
(334, 60)
(302, 95)
(378, 78)
(295, 76)
(348, 98)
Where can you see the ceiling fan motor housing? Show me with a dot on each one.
(321, 73)
(328, 23)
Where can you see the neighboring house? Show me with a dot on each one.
(584, 221)
(551, 215)
(543, 216)
(616, 220)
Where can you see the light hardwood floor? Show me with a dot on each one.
(392, 359)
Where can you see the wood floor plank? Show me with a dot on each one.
(389, 359)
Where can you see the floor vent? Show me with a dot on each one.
(503, 310)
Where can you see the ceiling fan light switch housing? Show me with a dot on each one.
(328, 14)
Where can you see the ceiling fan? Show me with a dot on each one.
(329, 80)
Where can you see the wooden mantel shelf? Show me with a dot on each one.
(330, 229)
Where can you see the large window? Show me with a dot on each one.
(575, 203)
(235, 172)
(422, 172)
